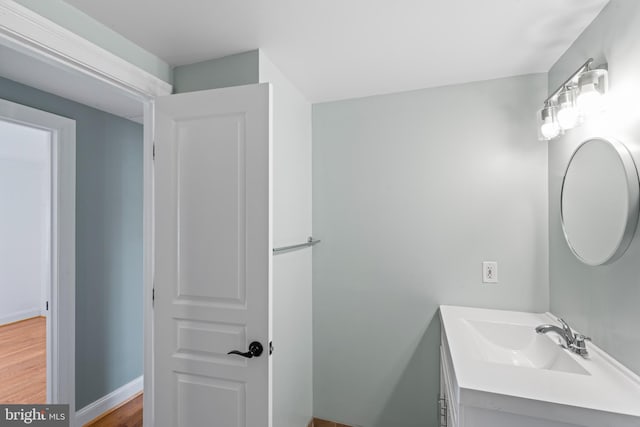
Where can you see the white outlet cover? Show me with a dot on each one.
(490, 272)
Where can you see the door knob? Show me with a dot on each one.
(255, 350)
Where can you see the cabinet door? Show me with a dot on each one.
(442, 399)
(447, 388)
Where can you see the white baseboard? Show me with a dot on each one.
(110, 401)
(19, 315)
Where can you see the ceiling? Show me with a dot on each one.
(336, 49)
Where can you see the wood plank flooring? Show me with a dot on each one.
(23, 361)
(317, 422)
(129, 414)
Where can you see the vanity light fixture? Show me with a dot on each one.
(579, 97)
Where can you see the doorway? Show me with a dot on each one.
(37, 278)
(63, 64)
(25, 262)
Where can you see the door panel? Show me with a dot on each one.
(212, 230)
(224, 400)
(213, 258)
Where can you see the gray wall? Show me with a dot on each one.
(108, 242)
(600, 301)
(292, 273)
(232, 70)
(411, 192)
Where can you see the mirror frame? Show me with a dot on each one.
(633, 195)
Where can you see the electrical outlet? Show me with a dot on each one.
(490, 272)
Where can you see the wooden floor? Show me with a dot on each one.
(23, 361)
(127, 415)
(317, 422)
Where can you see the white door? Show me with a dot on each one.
(212, 258)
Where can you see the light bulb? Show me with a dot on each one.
(548, 123)
(567, 112)
(550, 129)
(568, 117)
(590, 101)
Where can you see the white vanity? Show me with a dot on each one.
(496, 371)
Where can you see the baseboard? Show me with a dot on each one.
(19, 315)
(110, 401)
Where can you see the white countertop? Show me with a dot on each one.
(604, 388)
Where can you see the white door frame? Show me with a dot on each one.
(148, 227)
(27, 32)
(61, 317)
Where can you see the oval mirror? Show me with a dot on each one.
(599, 201)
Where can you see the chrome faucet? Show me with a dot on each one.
(574, 342)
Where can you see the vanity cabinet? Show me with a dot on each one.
(453, 414)
(495, 371)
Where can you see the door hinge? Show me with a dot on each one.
(442, 411)
(47, 306)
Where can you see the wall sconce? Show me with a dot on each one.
(579, 97)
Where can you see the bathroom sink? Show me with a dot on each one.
(520, 345)
(495, 365)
